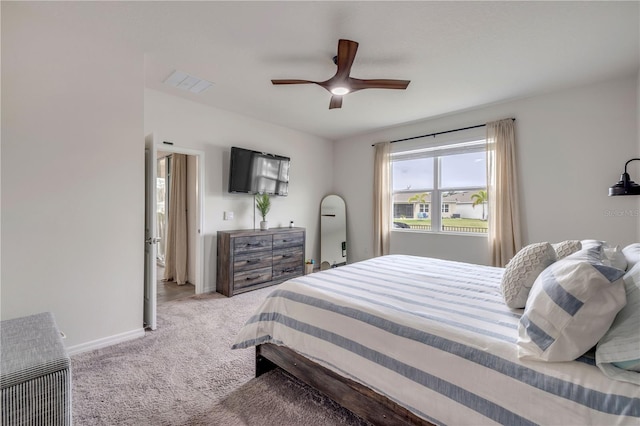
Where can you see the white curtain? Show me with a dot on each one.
(176, 248)
(382, 198)
(504, 217)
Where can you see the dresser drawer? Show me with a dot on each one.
(287, 263)
(252, 260)
(285, 271)
(288, 239)
(287, 256)
(252, 277)
(252, 243)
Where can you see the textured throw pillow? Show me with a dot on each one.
(632, 254)
(618, 352)
(571, 306)
(565, 248)
(522, 271)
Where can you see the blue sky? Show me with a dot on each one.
(460, 170)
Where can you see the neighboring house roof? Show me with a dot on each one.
(462, 197)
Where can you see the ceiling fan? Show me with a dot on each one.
(341, 83)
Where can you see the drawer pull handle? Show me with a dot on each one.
(253, 261)
(288, 270)
(252, 278)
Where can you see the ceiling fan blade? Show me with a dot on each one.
(293, 82)
(342, 83)
(346, 55)
(357, 84)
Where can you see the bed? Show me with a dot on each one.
(409, 340)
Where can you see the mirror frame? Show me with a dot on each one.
(333, 232)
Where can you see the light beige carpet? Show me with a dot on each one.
(185, 373)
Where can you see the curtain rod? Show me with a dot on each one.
(440, 133)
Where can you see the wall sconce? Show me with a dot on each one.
(626, 186)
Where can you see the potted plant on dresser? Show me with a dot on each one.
(263, 203)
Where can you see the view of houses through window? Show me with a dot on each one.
(441, 189)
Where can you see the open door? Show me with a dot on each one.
(150, 234)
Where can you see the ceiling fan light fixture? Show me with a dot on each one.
(340, 90)
(342, 83)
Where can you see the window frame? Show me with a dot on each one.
(437, 147)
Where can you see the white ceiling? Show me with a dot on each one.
(458, 55)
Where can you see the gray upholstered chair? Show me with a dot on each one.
(35, 372)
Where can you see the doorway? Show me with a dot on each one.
(193, 214)
(173, 195)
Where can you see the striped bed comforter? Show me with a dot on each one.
(436, 337)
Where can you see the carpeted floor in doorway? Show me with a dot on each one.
(184, 373)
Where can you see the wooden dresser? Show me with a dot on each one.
(252, 259)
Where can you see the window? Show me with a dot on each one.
(402, 210)
(441, 188)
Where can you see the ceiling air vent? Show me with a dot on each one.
(184, 81)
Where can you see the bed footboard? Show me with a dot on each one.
(355, 397)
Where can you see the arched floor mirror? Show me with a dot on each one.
(333, 232)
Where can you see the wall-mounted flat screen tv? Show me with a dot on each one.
(254, 172)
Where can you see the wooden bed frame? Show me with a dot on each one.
(353, 396)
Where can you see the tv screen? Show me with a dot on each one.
(254, 172)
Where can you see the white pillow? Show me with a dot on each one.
(632, 254)
(565, 248)
(571, 306)
(613, 256)
(522, 271)
(618, 352)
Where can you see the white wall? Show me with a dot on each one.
(73, 125)
(191, 125)
(72, 173)
(571, 147)
(72, 177)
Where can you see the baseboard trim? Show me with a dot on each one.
(105, 341)
(209, 290)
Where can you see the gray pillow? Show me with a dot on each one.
(522, 271)
(591, 254)
(592, 243)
